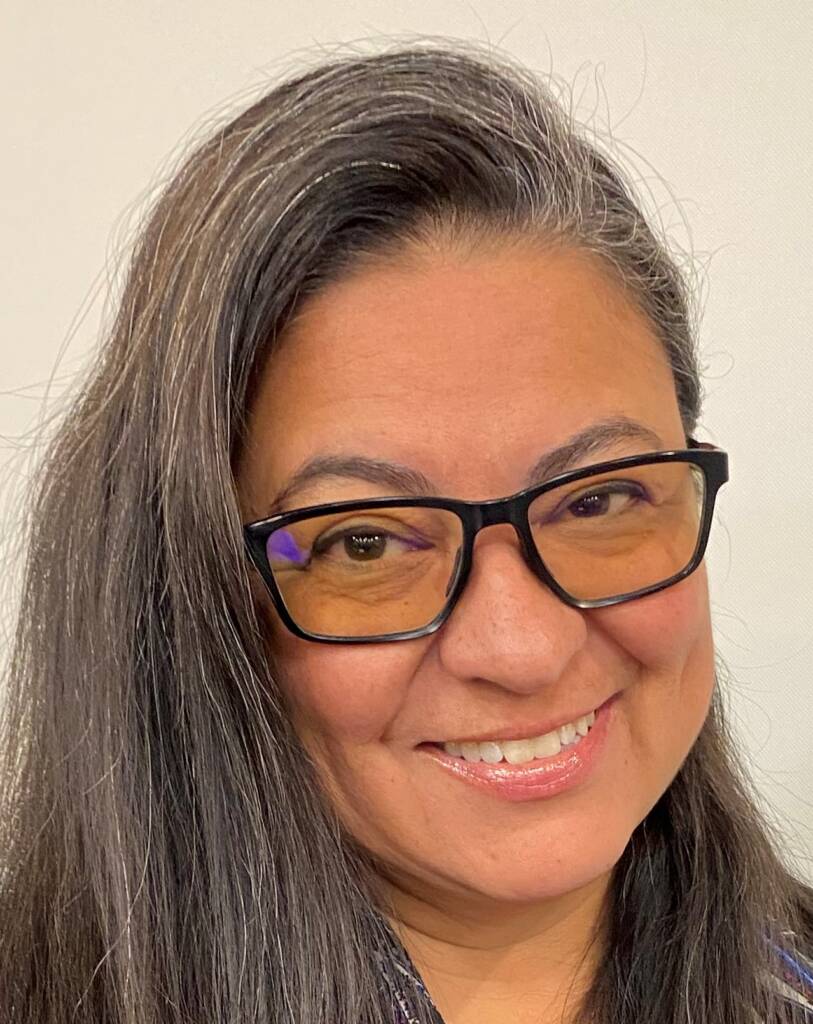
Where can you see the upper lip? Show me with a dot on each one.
(524, 731)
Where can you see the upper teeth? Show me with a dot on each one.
(521, 751)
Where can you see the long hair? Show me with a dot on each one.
(168, 853)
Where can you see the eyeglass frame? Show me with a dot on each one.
(475, 515)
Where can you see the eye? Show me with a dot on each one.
(365, 543)
(606, 499)
(598, 501)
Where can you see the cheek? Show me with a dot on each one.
(667, 631)
(343, 696)
(670, 638)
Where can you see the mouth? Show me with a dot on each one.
(531, 767)
(520, 750)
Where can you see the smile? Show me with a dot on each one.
(525, 750)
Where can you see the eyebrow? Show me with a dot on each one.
(592, 440)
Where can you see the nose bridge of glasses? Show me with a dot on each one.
(500, 512)
(497, 511)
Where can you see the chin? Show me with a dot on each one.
(544, 873)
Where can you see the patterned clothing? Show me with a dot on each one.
(399, 977)
(795, 979)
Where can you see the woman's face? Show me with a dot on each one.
(468, 369)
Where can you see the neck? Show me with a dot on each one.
(482, 959)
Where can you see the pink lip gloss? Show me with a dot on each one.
(543, 777)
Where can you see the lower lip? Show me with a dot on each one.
(542, 778)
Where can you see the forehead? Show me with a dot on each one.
(464, 367)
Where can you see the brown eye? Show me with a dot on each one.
(599, 501)
(360, 547)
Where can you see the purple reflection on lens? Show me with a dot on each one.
(281, 544)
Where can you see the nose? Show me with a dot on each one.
(508, 627)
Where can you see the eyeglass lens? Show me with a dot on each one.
(390, 570)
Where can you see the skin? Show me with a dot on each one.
(467, 366)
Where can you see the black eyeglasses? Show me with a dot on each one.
(380, 569)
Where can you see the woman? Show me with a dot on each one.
(365, 669)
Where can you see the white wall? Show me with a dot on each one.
(715, 95)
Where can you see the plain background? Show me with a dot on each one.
(709, 106)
